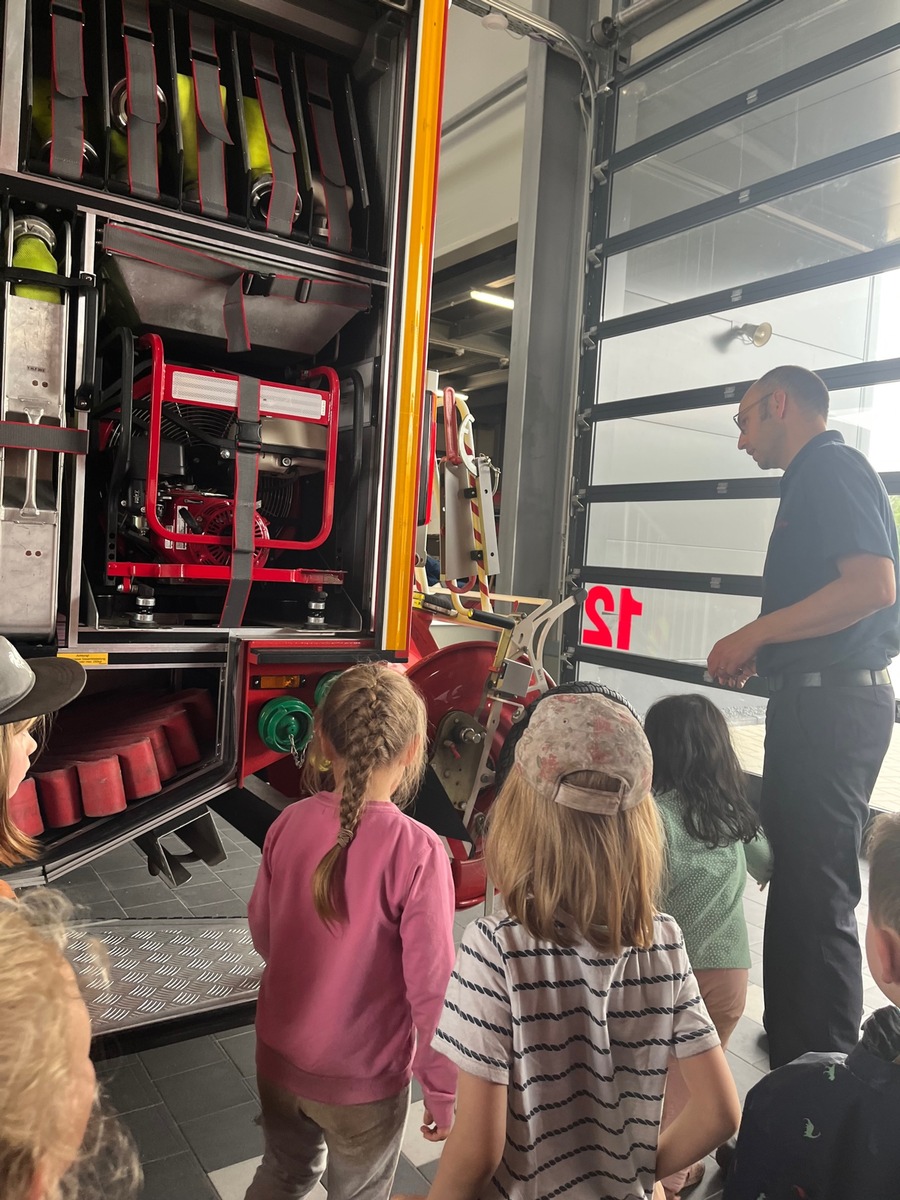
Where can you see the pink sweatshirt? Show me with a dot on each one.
(346, 1013)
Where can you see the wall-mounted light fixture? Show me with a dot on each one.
(492, 298)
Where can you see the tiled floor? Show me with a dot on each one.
(192, 1106)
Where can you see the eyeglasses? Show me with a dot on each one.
(740, 418)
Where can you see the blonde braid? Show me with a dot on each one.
(370, 718)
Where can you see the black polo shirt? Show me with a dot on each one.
(833, 505)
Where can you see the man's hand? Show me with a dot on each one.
(732, 660)
(432, 1132)
(6, 892)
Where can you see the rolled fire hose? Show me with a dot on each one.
(33, 245)
(261, 179)
(118, 134)
(188, 113)
(42, 124)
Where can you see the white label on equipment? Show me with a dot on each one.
(291, 402)
(204, 389)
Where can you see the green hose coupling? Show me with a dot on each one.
(324, 686)
(286, 725)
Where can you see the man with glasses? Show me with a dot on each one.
(827, 631)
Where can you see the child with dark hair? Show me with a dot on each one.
(825, 1126)
(712, 839)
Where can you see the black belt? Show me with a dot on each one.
(832, 678)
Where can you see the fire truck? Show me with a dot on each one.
(217, 231)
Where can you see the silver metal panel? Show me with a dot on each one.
(11, 85)
(30, 483)
(485, 485)
(159, 971)
(549, 280)
(34, 331)
(28, 554)
(457, 537)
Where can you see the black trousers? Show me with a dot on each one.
(824, 748)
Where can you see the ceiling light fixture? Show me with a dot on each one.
(491, 298)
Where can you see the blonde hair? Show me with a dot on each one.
(371, 717)
(15, 846)
(884, 872)
(36, 1066)
(570, 876)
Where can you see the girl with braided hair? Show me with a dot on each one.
(352, 913)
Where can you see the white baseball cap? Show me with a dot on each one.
(31, 689)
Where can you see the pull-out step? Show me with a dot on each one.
(167, 979)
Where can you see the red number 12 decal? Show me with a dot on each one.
(601, 634)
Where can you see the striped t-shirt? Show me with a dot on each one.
(582, 1042)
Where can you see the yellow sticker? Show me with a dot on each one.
(86, 660)
(417, 599)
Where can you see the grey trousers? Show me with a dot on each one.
(361, 1143)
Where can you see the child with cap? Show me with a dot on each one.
(29, 691)
(563, 1009)
(824, 1127)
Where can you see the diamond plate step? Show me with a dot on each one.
(163, 970)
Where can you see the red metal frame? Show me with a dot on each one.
(252, 754)
(158, 384)
(453, 679)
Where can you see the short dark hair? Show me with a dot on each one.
(801, 385)
(884, 871)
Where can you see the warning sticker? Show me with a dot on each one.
(86, 660)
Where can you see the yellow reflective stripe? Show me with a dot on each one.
(414, 332)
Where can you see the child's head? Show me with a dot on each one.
(54, 1142)
(28, 692)
(693, 755)
(574, 687)
(883, 931)
(371, 725)
(574, 842)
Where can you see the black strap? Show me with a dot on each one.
(334, 181)
(357, 296)
(246, 468)
(212, 130)
(143, 101)
(283, 198)
(23, 435)
(68, 89)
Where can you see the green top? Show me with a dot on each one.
(703, 889)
